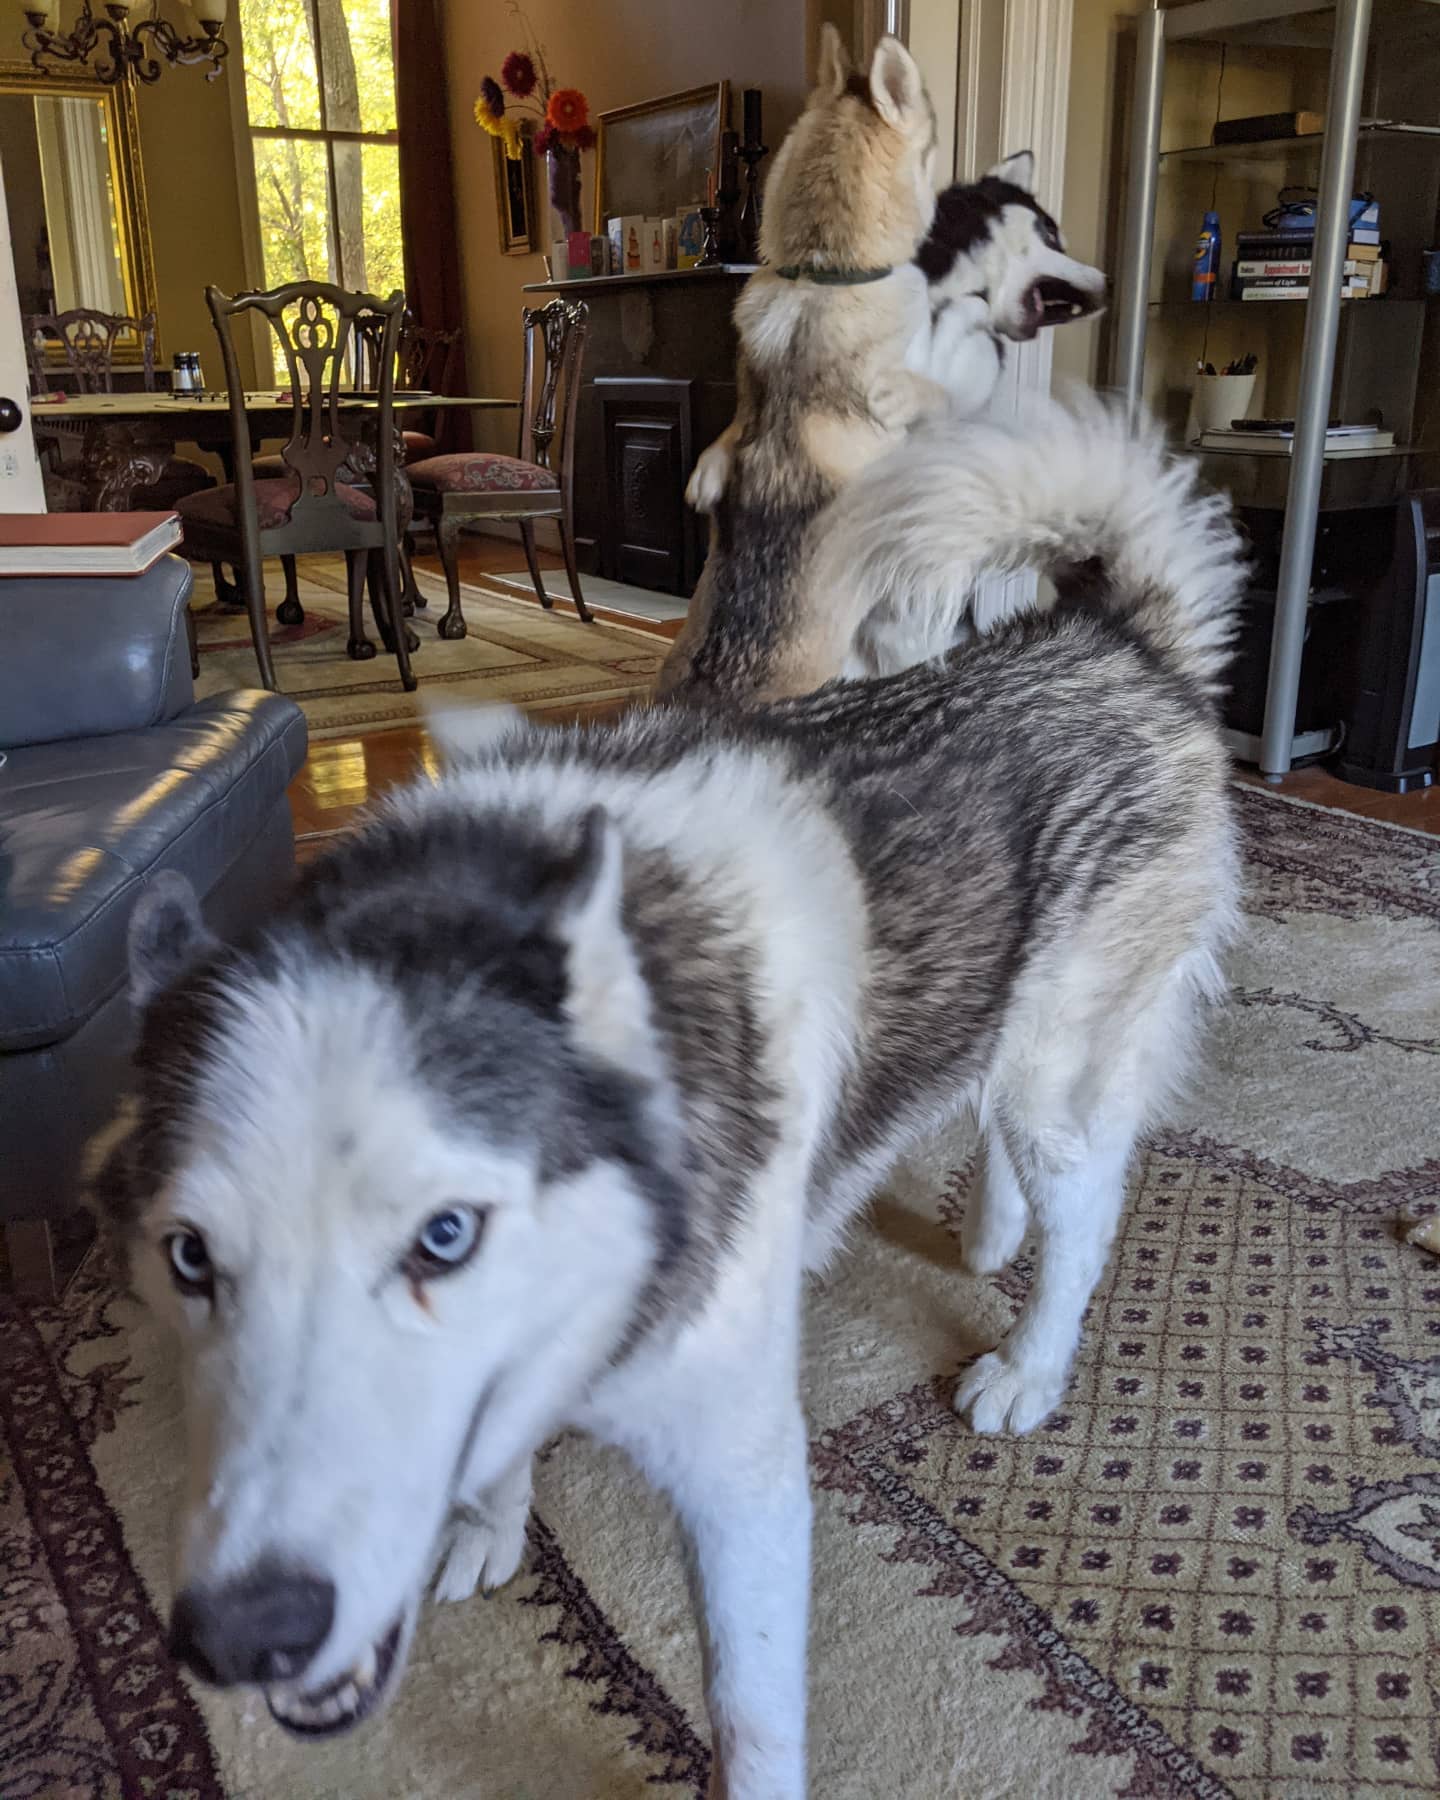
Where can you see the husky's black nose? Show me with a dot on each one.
(264, 1627)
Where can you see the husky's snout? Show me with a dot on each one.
(266, 1629)
(1057, 300)
(266, 1626)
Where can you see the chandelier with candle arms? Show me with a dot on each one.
(113, 43)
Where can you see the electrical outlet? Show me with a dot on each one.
(9, 465)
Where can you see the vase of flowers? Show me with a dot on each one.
(525, 102)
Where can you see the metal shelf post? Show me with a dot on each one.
(1317, 369)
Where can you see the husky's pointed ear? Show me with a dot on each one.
(608, 1001)
(1018, 170)
(895, 84)
(833, 70)
(167, 936)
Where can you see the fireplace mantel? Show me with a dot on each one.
(636, 444)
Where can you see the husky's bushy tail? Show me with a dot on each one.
(1066, 489)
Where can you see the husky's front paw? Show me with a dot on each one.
(708, 478)
(894, 400)
(485, 1550)
(998, 1395)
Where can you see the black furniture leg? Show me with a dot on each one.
(572, 568)
(226, 592)
(527, 537)
(252, 583)
(447, 534)
(394, 589)
(415, 600)
(359, 647)
(290, 611)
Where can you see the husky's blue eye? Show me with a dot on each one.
(448, 1239)
(190, 1262)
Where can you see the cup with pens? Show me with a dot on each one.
(1223, 395)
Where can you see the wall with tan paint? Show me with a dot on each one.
(187, 142)
(187, 153)
(626, 51)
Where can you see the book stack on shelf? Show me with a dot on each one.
(1275, 264)
(1274, 268)
(1262, 437)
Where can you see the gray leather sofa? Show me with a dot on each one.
(113, 771)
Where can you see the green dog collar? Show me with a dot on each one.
(833, 277)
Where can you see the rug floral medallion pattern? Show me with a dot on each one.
(1215, 1571)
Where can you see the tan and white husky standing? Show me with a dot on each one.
(839, 302)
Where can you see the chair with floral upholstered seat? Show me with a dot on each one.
(314, 504)
(536, 483)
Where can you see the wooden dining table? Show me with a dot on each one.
(127, 439)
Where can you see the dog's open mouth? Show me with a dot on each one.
(1057, 301)
(344, 1702)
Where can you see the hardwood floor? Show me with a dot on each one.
(345, 774)
(342, 775)
(1420, 811)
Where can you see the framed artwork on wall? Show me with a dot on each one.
(515, 199)
(651, 159)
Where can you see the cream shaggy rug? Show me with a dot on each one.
(515, 652)
(1215, 1571)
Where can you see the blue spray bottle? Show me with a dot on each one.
(1207, 259)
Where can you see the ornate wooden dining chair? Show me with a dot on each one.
(537, 483)
(90, 340)
(311, 506)
(423, 360)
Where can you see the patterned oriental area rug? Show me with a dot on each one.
(515, 652)
(1214, 1572)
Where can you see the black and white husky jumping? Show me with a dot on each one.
(535, 1102)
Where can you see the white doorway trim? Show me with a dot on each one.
(21, 488)
(1012, 92)
(1034, 111)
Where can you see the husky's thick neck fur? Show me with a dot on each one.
(532, 1103)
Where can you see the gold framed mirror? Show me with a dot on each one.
(75, 190)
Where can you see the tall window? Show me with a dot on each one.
(320, 93)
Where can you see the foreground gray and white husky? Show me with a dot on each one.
(534, 1103)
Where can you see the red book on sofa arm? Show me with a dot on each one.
(85, 543)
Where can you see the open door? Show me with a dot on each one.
(21, 489)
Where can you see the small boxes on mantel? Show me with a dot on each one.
(648, 246)
(578, 257)
(630, 231)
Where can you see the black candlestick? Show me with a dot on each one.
(753, 133)
(727, 226)
(751, 155)
(710, 257)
